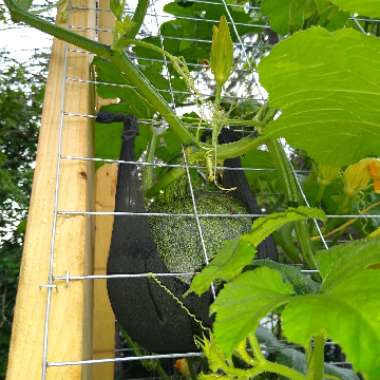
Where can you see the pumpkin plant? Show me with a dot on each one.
(323, 84)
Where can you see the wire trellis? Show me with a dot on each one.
(156, 17)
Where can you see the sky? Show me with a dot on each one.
(22, 40)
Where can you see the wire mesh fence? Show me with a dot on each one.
(249, 47)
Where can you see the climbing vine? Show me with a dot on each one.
(323, 80)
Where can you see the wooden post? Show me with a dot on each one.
(69, 333)
(103, 316)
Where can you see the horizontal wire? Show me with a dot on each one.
(124, 359)
(154, 214)
(175, 17)
(147, 357)
(165, 165)
(243, 6)
(200, 40)
(69, 277)
(205, 215)
(124, 85)
(149, 122)
(110, 30)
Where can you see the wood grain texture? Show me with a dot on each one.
(103, 316)
(69, 336)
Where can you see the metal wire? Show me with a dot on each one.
(205, 215)
(67, 278)
(54, 225)
(125, 359)
(164, 90)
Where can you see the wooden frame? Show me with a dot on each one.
(70, 316)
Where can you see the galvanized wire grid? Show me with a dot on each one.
(153, 20)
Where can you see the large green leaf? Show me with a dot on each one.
(285, 16)
(288, 16)
(326, 85)
(264, 226)
(369, 8)
(348, 313)
(340, 262)
(227, 264)
(243, 302)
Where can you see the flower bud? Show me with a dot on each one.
(221, 52)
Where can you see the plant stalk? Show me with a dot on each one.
(283, 237)
(126, 67)
(137, 19)
(315, 370)
(284, 371)
(85, 43)
(294, 199)
(148, 172)
(145, 89)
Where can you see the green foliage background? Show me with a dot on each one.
(21, 95)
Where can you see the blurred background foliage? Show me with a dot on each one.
(21, 94)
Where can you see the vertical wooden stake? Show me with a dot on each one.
(103, 316)
(69, 333)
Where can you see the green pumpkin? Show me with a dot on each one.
(178, 239)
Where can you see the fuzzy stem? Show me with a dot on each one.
(138, 18)
(238, 148)
(294, 198)
(315, 369)
(282, 370)
(255, 346)
(148, 172)
(225, 151)
(284, 238)
(145, 89)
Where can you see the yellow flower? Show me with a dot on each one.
(374, 172)
(356, 177)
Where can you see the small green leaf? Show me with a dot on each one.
(341, 262)
(348, 313)
(227, 264)
(242, 303)
(370, 8)
(301, 283)
(221, 52)
(264, 226)
(315, 78)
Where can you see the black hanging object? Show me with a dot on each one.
(148, 313)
